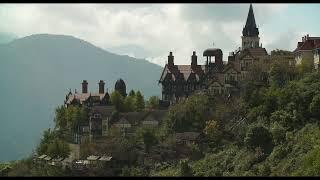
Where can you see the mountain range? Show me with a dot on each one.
(36, 72)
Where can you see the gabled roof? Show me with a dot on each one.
(230, 66)
(134, 117)
(58, 159)
(105, 111)
(93, 158)
(122, 121)
(254, 52)
(105, 158)
(81, 97)
(181, 72)
(47, 158)
(150, 118)
(309, 44)
(213, 80)
(42, 156)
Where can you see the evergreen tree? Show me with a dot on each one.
(153, 102)
(129, 104)
(117, 100)
(132, 93)
(139, 101)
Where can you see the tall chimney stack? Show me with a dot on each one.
(170, 60)
(194, 59)
(84, 86)
(101, 87)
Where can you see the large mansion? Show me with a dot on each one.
(179, 81)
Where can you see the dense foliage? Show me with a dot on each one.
(278, 136)
(269, 130)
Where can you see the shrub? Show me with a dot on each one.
(259, 137)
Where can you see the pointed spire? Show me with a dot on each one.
(250, 28)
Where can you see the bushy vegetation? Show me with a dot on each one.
(279, 136)
(269, 130)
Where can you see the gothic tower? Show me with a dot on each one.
(250, 33)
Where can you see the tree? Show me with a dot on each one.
(58, 148)
(286, 119)
(280, 52)
(188, 115)
(306, 66)
(132, 93)
(133, 171)
(278, 133)
(310, 164)
(148, 137)
(281, 73)
(117, 100)
(52, 145)
(196, 153)
(60, 118)
(259, 137)
(48, 137)
(185, 169)
(153, 102)
(114, 116)
(212, 130)
(129, 104)
(315, 106)
(139, 103)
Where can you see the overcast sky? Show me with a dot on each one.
(152, 30)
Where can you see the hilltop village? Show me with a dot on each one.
(121, 130)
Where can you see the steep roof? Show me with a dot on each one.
(250, 28)
(230, 66)
(310, 43)
(81, 97)
(254, 52)
(122, 121)
(105, 111)
(182, 72)
(93, 158)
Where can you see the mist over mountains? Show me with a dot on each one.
(36, 72)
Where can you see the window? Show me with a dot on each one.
(97, 116)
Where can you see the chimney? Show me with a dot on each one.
(170, 60)
(101, 87)
(84, 86)
(307, 36)
(194, 59)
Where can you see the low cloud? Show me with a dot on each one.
(156, 28)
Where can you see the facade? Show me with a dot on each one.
(100, 110)
(180, 81)
(308, 51)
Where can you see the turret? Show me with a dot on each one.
(84, 86)
(170, 60)
(101, 87)
(194, 62)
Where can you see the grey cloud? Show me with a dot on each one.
(286, 41)
(214, 12)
